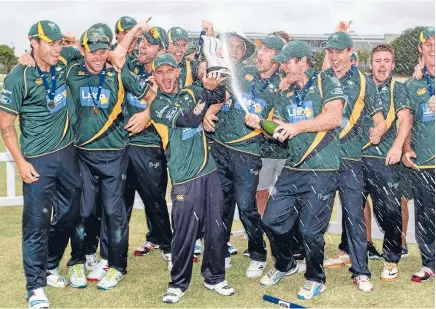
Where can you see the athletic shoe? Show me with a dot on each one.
(404, 251)
(172, 296)
(340, 259)
(37, 299)
(246, 252)
(99, 271)
(145, 248)
(363, 283)
(301, 265)
(222, 288)
(390, 272)
(232, 249)
(372, 252)
(111, 280)
(311, 289)
(197, 248)
(423, 275)
(77, 276)
(228, 262)
(91, 262)
(255, 269)
(55, 279)
(274, 276)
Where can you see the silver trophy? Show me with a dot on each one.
(212, 50)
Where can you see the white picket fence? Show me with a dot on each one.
(335, 226)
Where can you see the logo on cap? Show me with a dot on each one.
(52, 26)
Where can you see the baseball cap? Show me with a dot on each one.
(157, 36)
(94, 39)
(106, 29)
(177, 34)
(45, 30)
(294, 49)
(271, 41)
(163, 59)
(340, 41)
(124, 23)
(426, 33)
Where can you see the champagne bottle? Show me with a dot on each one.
(269, 126)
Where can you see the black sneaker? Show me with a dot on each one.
(404, 251)
(372, 252)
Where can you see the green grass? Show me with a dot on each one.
(147, 279)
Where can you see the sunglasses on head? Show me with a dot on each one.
(98, 39)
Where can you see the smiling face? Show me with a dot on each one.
(293, 69)
(178, 49)
(166, 78)
(382, 65)
(236, 49)
(427, 51)
(147, 52)
(339, 59)
(264, 58)
(95, 61)
(47, 52)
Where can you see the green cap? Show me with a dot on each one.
(294, 49)
(340, 41)
(94, 39)
(271, 41)
(45, 30)
(354, 56)
(163, 59)
(157, 36)
(177, 34)
(106, 30)
(426, 33)
(124, 23)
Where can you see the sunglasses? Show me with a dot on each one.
(98, 39)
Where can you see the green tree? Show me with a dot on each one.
(406, 51)
(7, 58)
(318, 59)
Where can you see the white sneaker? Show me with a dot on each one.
(37, 299)
(77, 276)
(301, 266)
(232, 249)
(55, 280)
(197, 248)
(311, 289)
(274, 276)
(255, 269)
(423, 275)
(228, 262)
(167, 257)
(363, 283)
(339, 259)
(91, 262)
(100, 270)
(222, 288)
(172, 296)
(390, 272)
(111, 280)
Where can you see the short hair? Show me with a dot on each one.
(283, 35)
(383, 47)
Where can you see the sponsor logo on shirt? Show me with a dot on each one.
(337, 91)
(60, 99)
(249, 77)
(134, 101)
(421, 91)
(171, 113)
(160, 113)
(87, 98)
(180, 197)
(188, 133)
(5, 97)
(38, 81)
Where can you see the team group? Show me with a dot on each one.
(101, 121)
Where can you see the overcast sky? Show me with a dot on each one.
(298, 17)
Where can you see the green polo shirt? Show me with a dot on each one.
(103, 130)
(423, 129)
(312, 150)
(45, 127)
(148, 137)
(257, 95)
(188, 73)
(361, 101)
(186, 148)
(394, 98)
